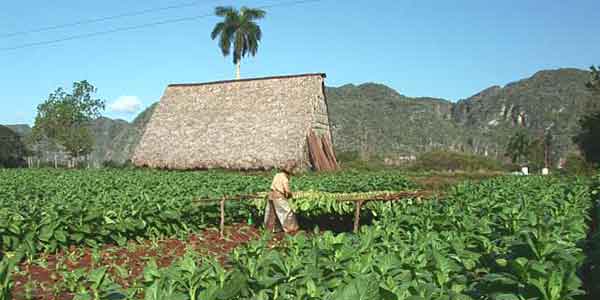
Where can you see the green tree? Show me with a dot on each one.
(588, 137)
(536, 154)
(63, 118)
(238, 30)
(518, 147)
(12, 149)
(538, 151)
(594, 83)
(577, 164)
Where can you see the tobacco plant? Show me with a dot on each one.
(6, 283)
(508, 238)
(98, 286)
(503, 239)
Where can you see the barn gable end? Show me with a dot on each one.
(256, 123)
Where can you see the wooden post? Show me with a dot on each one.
(357, 215)
(222, 225)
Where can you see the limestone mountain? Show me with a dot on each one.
(377, 119)
(373, 119)
(549, 100)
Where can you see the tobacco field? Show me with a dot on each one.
(43, 210)
(505, 238)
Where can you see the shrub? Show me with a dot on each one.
(110, 164)
(455, 161)
(353, 161)
(576, 164)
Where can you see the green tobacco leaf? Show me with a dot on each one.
(46, 233)
(386, 294)
(97, 277)
(502, 262)
(210, 293)
(505, 297)
(235, 285)
(83, 296)
(60, 236)
(360, 288)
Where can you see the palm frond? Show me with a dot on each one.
(239, 48)
(217, 30)
(225, 46)
(226, 39)
(253, 35)
(252, 13)
(255, 30)
(223, 11)
(253, 46)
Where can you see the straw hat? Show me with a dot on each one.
(288, 167)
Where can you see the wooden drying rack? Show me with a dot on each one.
(358, 202)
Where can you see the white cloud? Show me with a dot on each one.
(126, 104)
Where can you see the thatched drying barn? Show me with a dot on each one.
(258, 123)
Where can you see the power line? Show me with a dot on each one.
(101, 19)
(140, 26)
(97, 33)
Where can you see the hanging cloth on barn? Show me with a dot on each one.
(321, 152)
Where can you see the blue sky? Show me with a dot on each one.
(446, 49)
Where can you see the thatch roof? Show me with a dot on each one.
(257, 123)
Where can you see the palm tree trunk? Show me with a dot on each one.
(237, 69)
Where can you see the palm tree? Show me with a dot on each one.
(239, 29)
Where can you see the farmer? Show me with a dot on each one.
(278, 210)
